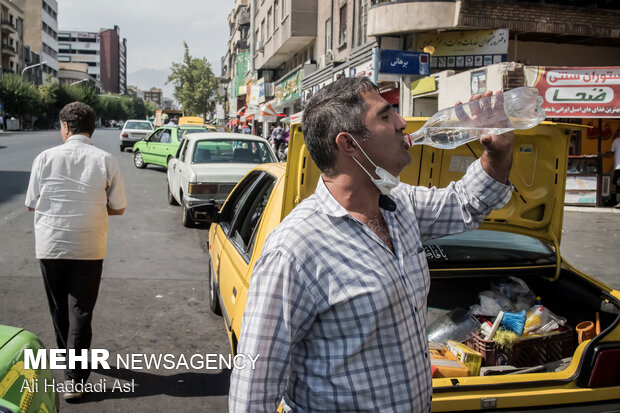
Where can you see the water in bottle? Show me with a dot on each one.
(519, 108)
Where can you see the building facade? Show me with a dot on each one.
(156, 96)
(41, 32)
(81, 47)
(113, 70)
(12, 36)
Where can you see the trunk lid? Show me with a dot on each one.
(538, 175)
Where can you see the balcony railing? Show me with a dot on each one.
(8, 26)
(243, 17)
(8, 48)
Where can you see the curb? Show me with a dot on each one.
(608, 210)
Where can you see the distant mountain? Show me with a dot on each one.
(145, 79)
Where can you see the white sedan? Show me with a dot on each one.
(209, 165)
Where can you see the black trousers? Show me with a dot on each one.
(72, 287)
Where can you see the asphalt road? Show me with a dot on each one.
(153, 297)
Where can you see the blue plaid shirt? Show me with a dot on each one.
(338, 318)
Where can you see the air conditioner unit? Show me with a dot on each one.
(329, 56)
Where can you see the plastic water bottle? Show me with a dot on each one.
(519, 108)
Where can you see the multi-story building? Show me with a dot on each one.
(11, 35)
(134, 91)
(41, 32)
(342, 47)
(235, 64)
(284, 42)
(81, 47)
(155, 95)
(104, 52)
(113, 60)
(76, 73)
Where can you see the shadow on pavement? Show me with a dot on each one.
(13, 183)
(148, 384)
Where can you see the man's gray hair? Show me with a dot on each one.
(336, 108)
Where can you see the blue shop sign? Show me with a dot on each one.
(401, 62)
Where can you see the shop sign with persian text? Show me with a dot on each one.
(465, 49)
(577, 92)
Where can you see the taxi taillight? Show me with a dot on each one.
(606, 370)
(125, 135)
(202, 189)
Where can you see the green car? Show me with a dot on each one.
(23, 390)
(162, 145)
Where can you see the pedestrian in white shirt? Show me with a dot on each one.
(336, 304)
(73, 189)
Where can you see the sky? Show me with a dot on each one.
(155, 29)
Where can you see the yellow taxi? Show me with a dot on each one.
(520, 240)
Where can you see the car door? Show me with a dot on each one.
(233, 240)
(147, 153)
(159, 149)
(184, 169)
(174, 170)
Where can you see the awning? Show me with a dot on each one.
(392, 96)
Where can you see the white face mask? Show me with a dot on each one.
(386, 181)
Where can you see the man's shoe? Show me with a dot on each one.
(71, 392)
(617, 206)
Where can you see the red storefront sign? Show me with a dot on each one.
(577, 92)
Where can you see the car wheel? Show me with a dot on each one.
(171, 199)
(122, 148)
(214, 301)
(186, 216)
(138, 161)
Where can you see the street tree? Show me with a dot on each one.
(194, 84)
(19, 98)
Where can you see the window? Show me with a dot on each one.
(155, 136)
(275, 15)
(328, 35)
(262, 32)
(166, 136)
(233, 206)
(248, 213)
(182, 150)
(342, 32)
(363, 18)
(284, 9)
(269, 23)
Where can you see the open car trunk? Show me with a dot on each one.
(569, 296)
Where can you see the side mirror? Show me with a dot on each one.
(206, 213)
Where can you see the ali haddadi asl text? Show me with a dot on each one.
(100, 386)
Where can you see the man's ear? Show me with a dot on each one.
(345, 144)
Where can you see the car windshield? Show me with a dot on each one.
(483, 248)
(231, 151)
(139, 125)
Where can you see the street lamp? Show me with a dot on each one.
(31, 66)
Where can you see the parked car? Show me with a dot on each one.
(162, 145)
(134, 130)
(522, 239)
(209, 165)
(18, 392)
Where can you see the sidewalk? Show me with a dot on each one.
(608, 210)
